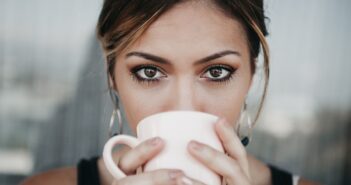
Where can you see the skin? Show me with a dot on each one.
(183, 84)
(186, 83)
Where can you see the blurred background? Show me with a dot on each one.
(54, 104)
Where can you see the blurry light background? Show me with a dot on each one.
(54, 105)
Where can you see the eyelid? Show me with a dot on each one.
(134, 73)
(146, 81)
(229, 68)
(137, 68)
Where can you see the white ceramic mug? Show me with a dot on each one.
(177, 129)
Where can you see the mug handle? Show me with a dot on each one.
(107, 153)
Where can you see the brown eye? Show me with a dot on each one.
(218, 73)
(150, 72)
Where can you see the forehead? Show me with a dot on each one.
(193, 27)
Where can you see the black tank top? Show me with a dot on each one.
(88, 173)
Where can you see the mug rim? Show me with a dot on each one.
(141, 122)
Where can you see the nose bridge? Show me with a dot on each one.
(184, 95)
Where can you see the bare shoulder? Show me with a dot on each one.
(307, 182)
(61, 176)
(262, 173)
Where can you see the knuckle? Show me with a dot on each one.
(120, 182)
(124, 164)
(154, 177)
(235, 170)
(158, 177)
(242, 152)
(212, 157)
(167, 176)
(141, 155)
(127, 181)
(160, 173)
(135, 156)
(142, 151)
(227, 140)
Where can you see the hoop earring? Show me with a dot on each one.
(244, 126)
(116, 112)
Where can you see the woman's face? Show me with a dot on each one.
(192, 58)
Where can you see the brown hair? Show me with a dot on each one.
(122, 22)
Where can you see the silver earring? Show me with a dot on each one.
(244, 126)
(116, 112)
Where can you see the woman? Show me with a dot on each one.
(180, 55)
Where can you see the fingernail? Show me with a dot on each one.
(195, 145)
(175, 174)
(155, 141)
(185, 181)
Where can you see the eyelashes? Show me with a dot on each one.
(150, 74)
(218, 73)
(147, 74)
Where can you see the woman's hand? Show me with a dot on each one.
(234, 167)
(158, 177)
(136, 157)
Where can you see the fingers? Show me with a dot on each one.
(139, 155)
(188, 181)
(232, 144)
(219, 163)
(159, 177)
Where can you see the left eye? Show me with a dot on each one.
(217, 73)
(149, 73)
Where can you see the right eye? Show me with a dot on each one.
(148, 73)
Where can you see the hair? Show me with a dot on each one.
(122, 22)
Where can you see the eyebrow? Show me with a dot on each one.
(161, 60)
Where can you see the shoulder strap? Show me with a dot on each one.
(88, 173)
(280, 177)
